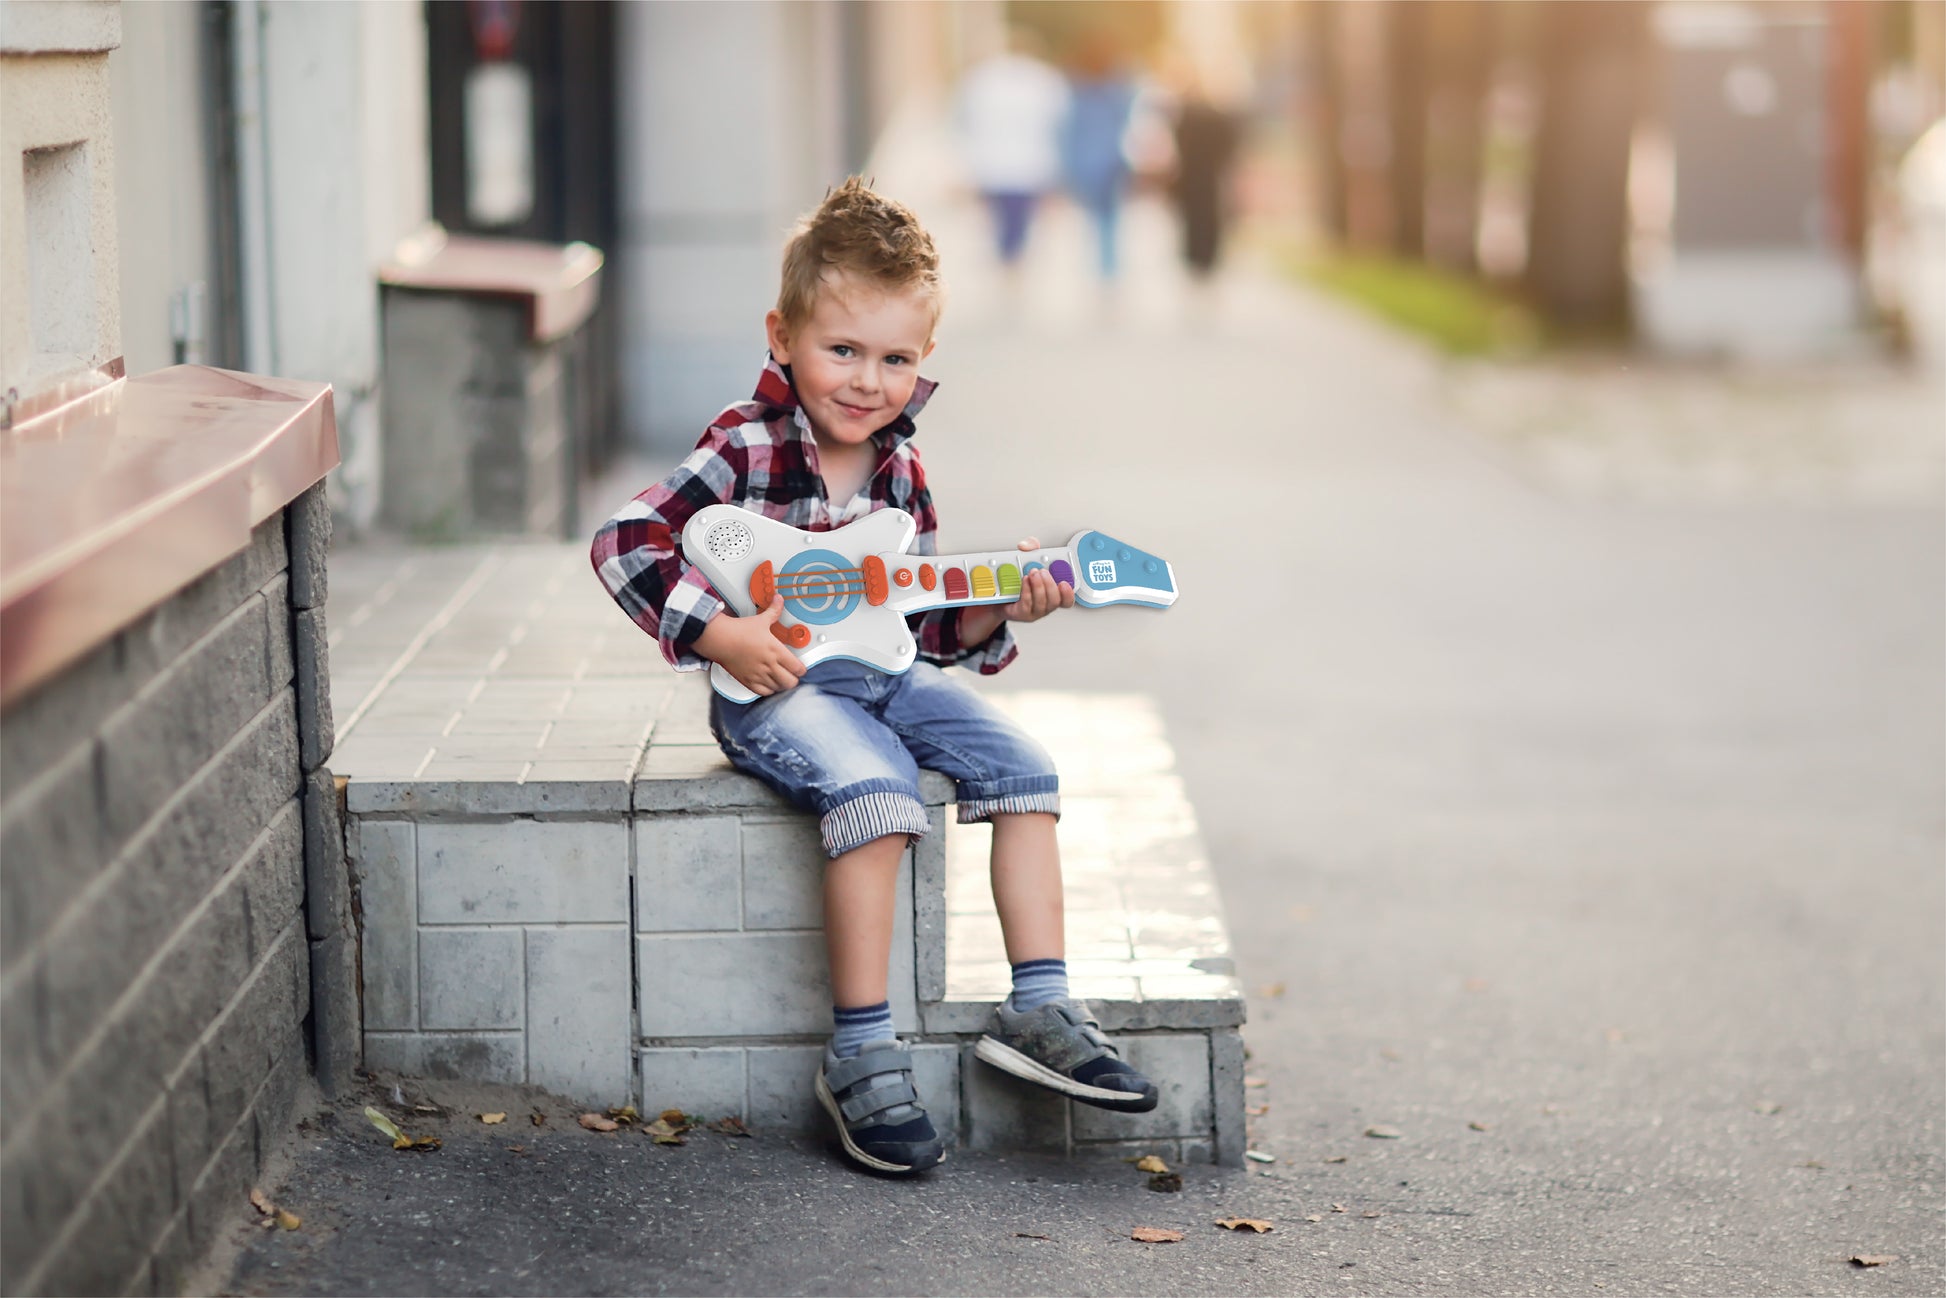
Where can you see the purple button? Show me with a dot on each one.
(1061, 572)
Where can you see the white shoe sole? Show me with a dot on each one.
(830, 1103)
(1008, 1060)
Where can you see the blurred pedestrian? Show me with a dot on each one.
(1208, 134)
(1010, 111)
(1094, 136)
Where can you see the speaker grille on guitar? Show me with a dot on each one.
(728, 541)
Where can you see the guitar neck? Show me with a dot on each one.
(926, 581)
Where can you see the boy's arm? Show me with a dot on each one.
(636, 554)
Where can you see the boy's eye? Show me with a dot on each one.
(895, 360)
(840, 349)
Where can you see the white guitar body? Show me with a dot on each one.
(848, 592)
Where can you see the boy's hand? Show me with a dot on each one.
(746, 648)
(1040, 594)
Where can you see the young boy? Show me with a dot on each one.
(825, 440)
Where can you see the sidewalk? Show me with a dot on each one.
(1591, 847)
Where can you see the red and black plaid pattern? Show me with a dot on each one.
(760, 454)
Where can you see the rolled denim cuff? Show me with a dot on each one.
(972, 811)
(859, 820)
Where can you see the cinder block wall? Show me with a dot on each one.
(162, 970)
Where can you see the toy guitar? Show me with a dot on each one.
(847, 592)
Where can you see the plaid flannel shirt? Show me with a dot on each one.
(760, 454)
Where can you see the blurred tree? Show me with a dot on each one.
(1327, 110)
(1591, 61)
(1408, 91)
(1462, 36)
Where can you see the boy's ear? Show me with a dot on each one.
(778, 335)
(930, 344)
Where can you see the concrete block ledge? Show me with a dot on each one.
(562, 880)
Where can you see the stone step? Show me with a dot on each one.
(563, 882)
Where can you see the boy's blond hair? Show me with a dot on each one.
(857, 232)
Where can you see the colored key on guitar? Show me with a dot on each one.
(847, 592)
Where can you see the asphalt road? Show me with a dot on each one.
(1594, 847)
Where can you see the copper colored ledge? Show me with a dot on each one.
(559, 285)
(116, 500)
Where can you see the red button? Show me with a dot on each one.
(903, 577)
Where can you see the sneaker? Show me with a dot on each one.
(876, 1107)
(1060, 1046)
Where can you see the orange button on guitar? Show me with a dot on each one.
(796, 636)
(927, 577)
(875, 587)
(903, 577)
(763, 584)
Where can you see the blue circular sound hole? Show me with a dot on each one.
(821, 587)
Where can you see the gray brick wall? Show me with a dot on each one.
(173, 922)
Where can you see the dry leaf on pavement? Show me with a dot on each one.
(1258, 1156)
(261, 1202)
(625, 1114)
(1155, 1235)
(1150, 1163)
(1314, 1217)
(1336, 1158)
(537, 1118)
(1383, 1132)
(288, 1220)
(493, 1119)
(663, 1133)
(1872, 1259)
(595, 1122)
(1245, 1223)
(730, 1126)
(386, 1125)
(1166, 1182)
(1478, 1126)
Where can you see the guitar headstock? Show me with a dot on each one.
(1108, 571)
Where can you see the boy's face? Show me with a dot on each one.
(856, 360)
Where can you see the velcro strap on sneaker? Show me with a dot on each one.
(868, 1063)
(1084, 1023)
(878, 1099)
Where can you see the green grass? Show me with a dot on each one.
(1460, 316)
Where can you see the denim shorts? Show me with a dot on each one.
(847, 742)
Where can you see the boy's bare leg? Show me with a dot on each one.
(1026, 871)
(861, 890)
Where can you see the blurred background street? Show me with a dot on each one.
(1543, 407)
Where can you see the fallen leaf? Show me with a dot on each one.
(1314, 1217)
(516, 1149)
(1336, 1158)
(1166, 1182)
(288, 1220)
(1150, 1163)
(677, 1118)
(1256, 1111)
(386, 1125)
(537, 1118)
(730, 1126)
(1371, 1214)
(427, 1143)
(1255, 1081)
(1390, 1055)
(1478, 1126)
(1339, 1207)
(1021, 1234)
(1258, 1156)
(493, 1119)
(1812, 1163)
(268, 1223)
(1245, 1223)
(425, 1108)
(1271, 991)
(626, 1114)
(1383, 1132)
(261, 1202)
(663, 1134)
(595, 1122)
(1155, 1235)
(1767, 1106)
(1872, 1259)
